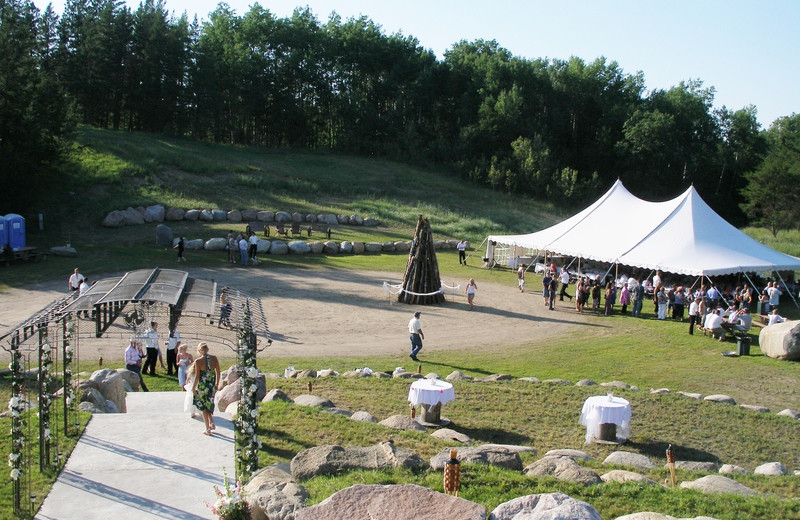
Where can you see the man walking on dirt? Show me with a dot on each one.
(416, 335)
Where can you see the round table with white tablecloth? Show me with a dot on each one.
(431, 394)
(600, 411)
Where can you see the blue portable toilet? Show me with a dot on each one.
(15, 225)
(3, 232)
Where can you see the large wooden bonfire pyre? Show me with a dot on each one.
(421, 282)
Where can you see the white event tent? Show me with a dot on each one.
(683, 235)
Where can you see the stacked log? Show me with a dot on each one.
(421, 281)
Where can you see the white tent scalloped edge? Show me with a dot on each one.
(682, 235)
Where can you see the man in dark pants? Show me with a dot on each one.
(151, 341)
(173, 342)
(416, 335)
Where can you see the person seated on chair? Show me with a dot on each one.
(713, 324)
(738, 321)
(774, 318)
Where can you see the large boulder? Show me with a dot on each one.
(621, 475)
(297, 217)
(447, 434)
(388, 247)
(493, 455)
(313, 401)
(174, 214)
(720, 398)
(114, 219)
(355, 220)
(266, 216)
(402, 246)
(328, 218)
(194, 244)
(230, 394)
(718, 484)
(206, 215)
(215, 244)
(402, 422)
(278, 247)
(363, 417)
(130, 377)
(192, 214)
(154, 213)
(371, 222)
(111, 385)
(333, 460)
(132, 217)
(219, 215)
(346, 247)
(456, 375)
(392, 502)
(276, 394)
(298, 247)
(164, 236)
(94, 398)
(573, 454)
(627, 458)
(283, 217)
(234, 215)
(249, 215)
(358, 248)
(373, 247)
(64, 251)
(330, 247)
(771, 469)
(693, 465)
(781, 340)
(343, 219)
(316, 247)
(263, 246)
(562, 468)
(545, 506)
(273, 494)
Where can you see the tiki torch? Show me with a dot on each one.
(671, 462)
(452, 474)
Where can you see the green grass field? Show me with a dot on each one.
(116, 170)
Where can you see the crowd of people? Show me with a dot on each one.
(710, 309)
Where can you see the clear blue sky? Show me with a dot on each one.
(748, 50)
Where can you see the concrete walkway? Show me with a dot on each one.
(150, 463)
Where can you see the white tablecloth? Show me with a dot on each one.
(430, 392)
(599, 409)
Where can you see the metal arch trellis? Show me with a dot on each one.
(57, 325)
(35, 339)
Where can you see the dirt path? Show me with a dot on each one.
(332, 312)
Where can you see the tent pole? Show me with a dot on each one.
(695, 283)
(606, 275)
(721, 296)
(787, 289)
(487, 248)
(570, 264)
(533, 262)
(579, 267)
(484, 240)
(616, 273)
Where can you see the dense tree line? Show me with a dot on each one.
(560, 130)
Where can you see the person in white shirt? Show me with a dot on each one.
(775, 318)
(416, 335)
(462, 252)
(75, 280)
(153, 350)
(564, 279)
(173, 343)
(84, 286)
(253, 241)
(694, 314)
(713, 324)
(774, 296)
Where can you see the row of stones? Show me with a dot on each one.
(301, 247)
(158, 213)
(459, 376)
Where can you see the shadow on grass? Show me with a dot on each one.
(460, 368)
(493, 435)
(659, 449)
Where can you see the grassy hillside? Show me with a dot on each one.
(108, 170)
